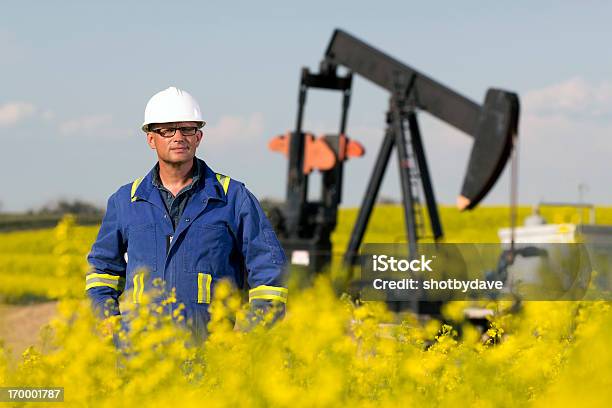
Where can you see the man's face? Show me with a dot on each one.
(176, 149)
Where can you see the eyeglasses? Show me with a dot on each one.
(169, 132)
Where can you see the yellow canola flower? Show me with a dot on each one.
(328, 351)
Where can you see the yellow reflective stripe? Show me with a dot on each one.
(138, 287)
(98, 284)
(141, 287)
(224, 180)
(269, 293)
(135, 185)
(102, 275)
(94, 280)
(135, 292)
(200, 288)
(204, 281)
(269, 297)
(261, 288)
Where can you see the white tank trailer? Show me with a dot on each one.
(565, 259)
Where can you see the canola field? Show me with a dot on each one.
(328, 351)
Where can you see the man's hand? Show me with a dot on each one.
(263, 313)
(109, 326)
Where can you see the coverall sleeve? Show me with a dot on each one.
(106, 279)
(264, 257)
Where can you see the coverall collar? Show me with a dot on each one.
(207, 188)
(195, 175)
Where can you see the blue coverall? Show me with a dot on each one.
(223, 233)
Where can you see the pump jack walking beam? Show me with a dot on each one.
(492, 126)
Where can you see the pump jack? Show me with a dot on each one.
(304, 227)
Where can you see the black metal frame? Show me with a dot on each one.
(308, 225)
(395, 135)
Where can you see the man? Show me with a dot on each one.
(186, 225)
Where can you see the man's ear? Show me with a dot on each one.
(200, 135)
(151, 140)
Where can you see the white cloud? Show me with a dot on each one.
(85, 124)
(12, 113)
(235, 129)
(565, 139)
(575, 97)
(574, 110)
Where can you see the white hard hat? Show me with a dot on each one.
(172, 105)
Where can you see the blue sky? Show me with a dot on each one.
(75, 77)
